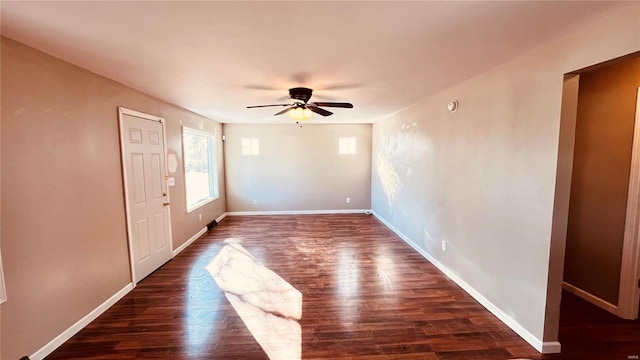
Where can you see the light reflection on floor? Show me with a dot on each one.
(269, 306)
(348, 273)
(385, 268)
(201, 325)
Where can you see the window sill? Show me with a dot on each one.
(200, 204)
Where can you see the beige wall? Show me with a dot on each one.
(484, 178)
(298, 168)
(600, 181)
(0, 200)
(64, 242)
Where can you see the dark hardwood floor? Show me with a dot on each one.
(365, 294)
(588, 332)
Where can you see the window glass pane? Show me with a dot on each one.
(347, 145)
(199, 167)
(250, 146)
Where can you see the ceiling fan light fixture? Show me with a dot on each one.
(300, 113)
(302, 109)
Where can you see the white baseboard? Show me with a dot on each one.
(590, 298)
(221, 217)
(299, 212)
(67, 334)
(548, 347)
(188, 242)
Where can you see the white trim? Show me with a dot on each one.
(3, 288)
(628, 293)
(188, 242)
(548, 347)
(121, 112)
(75, 328)
(209, 134)
(298, 212)
(125, 111)
(196, 236)
(166, 179)
(221, 217)
(200, 204)
(590, 298)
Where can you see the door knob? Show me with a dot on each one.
(166, 203)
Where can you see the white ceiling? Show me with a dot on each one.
(215, 58)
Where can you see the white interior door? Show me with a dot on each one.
(143, 152)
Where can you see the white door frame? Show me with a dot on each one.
(121, 112)
(629, 293)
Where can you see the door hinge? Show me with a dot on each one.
(639, 283)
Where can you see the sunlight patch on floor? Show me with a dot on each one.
(269, 306)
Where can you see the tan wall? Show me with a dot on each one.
(600, 181)
(1, 257)
(298, 168)
(64, 242)
(484, 178)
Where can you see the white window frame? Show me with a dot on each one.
(250, 146)
(3, 289)
(212, 165)
(347, 145)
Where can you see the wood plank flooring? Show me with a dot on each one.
(588, 332)
(366, 295)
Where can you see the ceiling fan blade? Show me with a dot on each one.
(284, 111)
(334, 104)
(261, 87)
(259, 106)
(338, 86)
(318, 110)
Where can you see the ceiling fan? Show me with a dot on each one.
(302, 109)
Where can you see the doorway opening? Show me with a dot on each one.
(598, 196)
(602, 239)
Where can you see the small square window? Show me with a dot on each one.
(347, 146)
(250, 146)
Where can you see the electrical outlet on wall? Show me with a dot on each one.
(444, 245)
(254, 202)
(199, 217)
(348, 200)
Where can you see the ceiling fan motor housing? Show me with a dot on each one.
(300, 93)
(301, 96)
